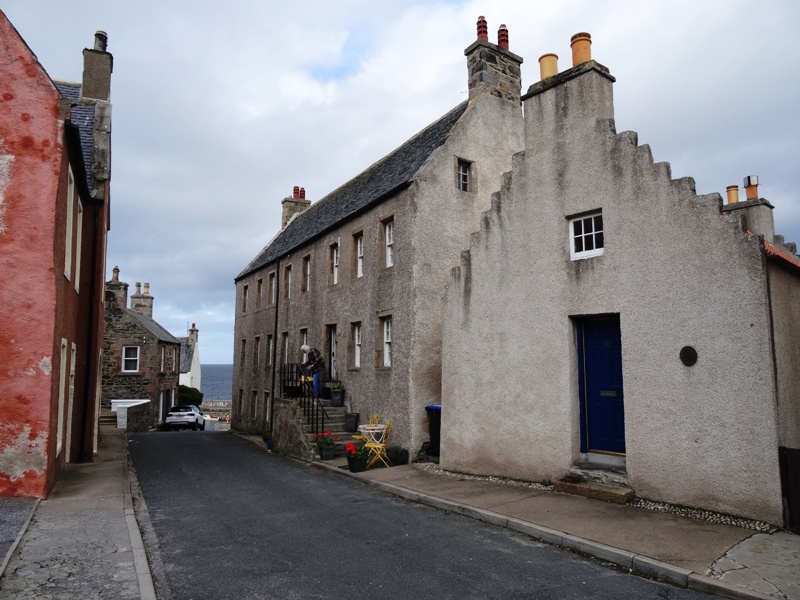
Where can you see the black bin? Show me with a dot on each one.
(434, 427)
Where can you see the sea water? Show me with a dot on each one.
(216, 381)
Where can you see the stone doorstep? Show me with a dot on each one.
(596, 491)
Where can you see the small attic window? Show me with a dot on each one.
(586, 236)
(464, 179)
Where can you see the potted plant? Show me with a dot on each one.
(325, 444)
(357, 457)
(337, 394)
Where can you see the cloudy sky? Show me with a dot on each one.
(220, 108)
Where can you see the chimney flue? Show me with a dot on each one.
(100, 41)
(733, 194)
(296, 192)
(502, 37)
(483, 29)
(302, 193)
(147, 288)
(751, 187)
(581, 44)
(115, 276)
(548, 65)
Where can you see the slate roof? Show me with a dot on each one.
(82, 116)
(187, 353)
(388, 175)
(154, 328)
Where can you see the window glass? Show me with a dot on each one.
(587, 236)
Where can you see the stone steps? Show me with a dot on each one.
(617, 494)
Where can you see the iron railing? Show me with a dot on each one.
(293, 386)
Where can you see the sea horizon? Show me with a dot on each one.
(216, 381)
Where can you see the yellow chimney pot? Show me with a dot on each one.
(581, 44)
(548, 65)
(733, 194)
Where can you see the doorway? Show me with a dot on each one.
(334, 375)
(602, 401)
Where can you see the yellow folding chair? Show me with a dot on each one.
(374, 419)
(378, 449)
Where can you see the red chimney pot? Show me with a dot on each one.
(296, 192)
(483, 29)
(502, 37)
(303, 193)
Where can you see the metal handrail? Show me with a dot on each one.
(293, 386)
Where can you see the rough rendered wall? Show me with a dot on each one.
(488, 135)
(678, 274)
(785, 294)
(31, 135)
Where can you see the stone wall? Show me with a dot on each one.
(149, 381)
(287, 433)
(138, 418)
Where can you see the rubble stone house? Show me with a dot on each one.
(608, 323)
(141, 359)
(360, 273)
(190, 373)
(54, 217)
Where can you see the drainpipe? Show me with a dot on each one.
(275, 343)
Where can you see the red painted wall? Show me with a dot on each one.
(32, 226)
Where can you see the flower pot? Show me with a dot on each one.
(337, 397)
(357, 463)
(326, 452)
(351, 422)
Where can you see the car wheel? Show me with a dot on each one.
(194, 426)
(203, 426)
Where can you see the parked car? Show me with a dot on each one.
(185, 416)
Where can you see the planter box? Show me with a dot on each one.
(357, 463)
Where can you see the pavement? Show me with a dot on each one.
(83, 542)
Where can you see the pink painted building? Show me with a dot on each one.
(54, 217)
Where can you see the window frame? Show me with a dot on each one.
(573, 236)
(357, 339)
(465, 180)
(358, 255)
(259, 291)
(387, 241)
(125, 359)
(271, 287)
(287, 282)
(333, 263)
(245, 288)
(305, 281)
(386, 323)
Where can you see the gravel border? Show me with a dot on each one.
(662, 507)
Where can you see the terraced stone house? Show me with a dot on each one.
(360, 273)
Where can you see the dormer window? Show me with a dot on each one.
(586, 236)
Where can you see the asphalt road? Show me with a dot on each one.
(225, 519)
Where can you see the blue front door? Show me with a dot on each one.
(602, 399)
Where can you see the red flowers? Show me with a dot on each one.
(354, 450)
(325, 439)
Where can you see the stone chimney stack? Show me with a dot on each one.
(193, 334)
(142, 302)
(493, 69)
(756, 212)
(119, 289)
(97, 67)
(294, 204)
